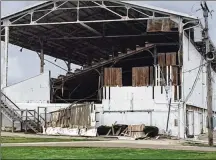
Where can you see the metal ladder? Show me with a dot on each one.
(14, 113)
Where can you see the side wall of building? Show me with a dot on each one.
(33, 90)
(135, 105)
(194, 75)
(194, 88)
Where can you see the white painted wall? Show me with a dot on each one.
(146, 110)
(192, 60)
(33, 90)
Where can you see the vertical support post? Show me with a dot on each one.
(69, 66)
(45, 110)
(102, 81)
(78, 10)
(168, 116)
(155, 55)
(99, 87)
(38, 118)
(42, 58)
(179, 114)
(208, 77)
(13, 120)
(182, 107)
(26, 121)
(34, 115)
(155, 65)
(5, 59)
(21, 123)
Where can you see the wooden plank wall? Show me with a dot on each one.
(171, 69)
(142, 76)
(149, 75)
(157, 25)
(73, 116)
(112, 76)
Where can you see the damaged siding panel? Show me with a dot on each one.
(140, 76)
(161, 59)
(73, 116)
(112, 76)
(168, 25)
(175, 77)
(171, 59)
(156, 25)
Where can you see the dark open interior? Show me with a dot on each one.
(87, 86)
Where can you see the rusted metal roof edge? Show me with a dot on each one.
(143, 6)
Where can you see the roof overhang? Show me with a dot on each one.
(73, 30)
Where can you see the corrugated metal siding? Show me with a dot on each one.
(112, 76)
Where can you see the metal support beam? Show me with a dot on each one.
(87, 21)
(5, 59)
(90, 28)
(68, 65)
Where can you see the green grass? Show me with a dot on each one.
(5, 139)
(99, 153)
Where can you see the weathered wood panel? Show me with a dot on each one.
(175, 75)
(168, 24)
(156, 25)
(170, 58)
(180, 75)
(162, 59)
(73, 116)
(112, 76)
(140, 76)
(136, 130)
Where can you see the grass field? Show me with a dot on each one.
(99, 153)
(5, 139)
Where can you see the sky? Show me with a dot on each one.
(26, 64)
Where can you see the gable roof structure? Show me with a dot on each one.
(144, 6)
(73, 29)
